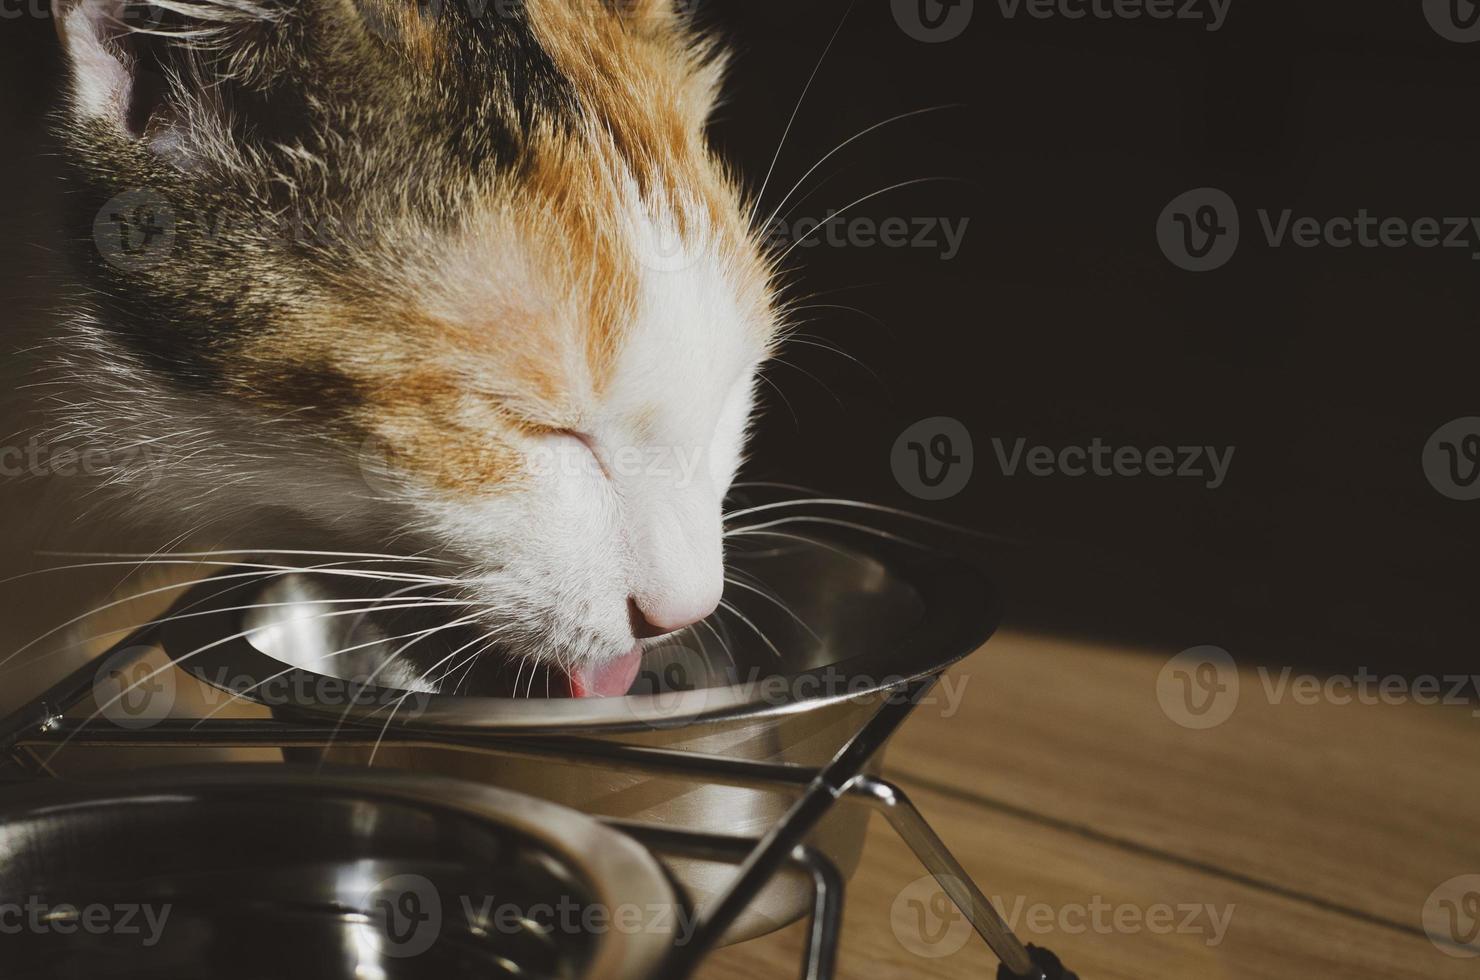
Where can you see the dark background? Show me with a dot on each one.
(1061, 320)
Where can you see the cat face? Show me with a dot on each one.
(466, 278)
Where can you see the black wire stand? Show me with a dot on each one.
(30, 735)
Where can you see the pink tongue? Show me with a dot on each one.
(607, 680)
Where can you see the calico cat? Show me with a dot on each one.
(459, 280)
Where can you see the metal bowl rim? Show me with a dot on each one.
(962, 613)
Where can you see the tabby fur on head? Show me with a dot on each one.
(461, 275)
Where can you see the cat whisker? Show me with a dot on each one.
(834, 522)
(247, 551)
(491, 635)
(849, 309)
(864, 200)
(796, 420)
(805, 341)
(853, 139)
(260, 571)
(865, 505)
(811, 542)
(802, 99)
(342, 568)
(776, 600)
(368, 603)
(402, 700)
(234, 697)
(822, 384)
(730, 608)
(180, 661)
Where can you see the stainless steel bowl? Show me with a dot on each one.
(862, 615)
(249, 872)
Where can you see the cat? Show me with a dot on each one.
(458, 280)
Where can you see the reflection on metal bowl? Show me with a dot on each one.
(846, 621)
(243, 872)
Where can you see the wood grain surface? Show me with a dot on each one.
(1299, 838)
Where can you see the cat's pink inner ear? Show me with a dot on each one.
(93, 33)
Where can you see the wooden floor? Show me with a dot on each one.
(1293, 840)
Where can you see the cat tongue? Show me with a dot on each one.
(611, 679)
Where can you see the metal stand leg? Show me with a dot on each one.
(45, 712)
(819, 797)
(953, 879)
(820, 958)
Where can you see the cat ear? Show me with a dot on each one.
(95, 40)
(157, 71)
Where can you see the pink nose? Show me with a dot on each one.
(659, 617)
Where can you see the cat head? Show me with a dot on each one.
(464, 276)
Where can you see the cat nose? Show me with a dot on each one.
(662, 616)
